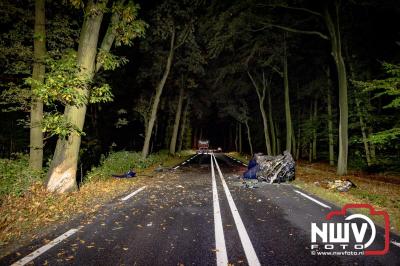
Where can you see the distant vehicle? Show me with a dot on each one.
(203, 147)
(219, 149)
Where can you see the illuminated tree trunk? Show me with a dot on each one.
(156, 101)
(261, 97)
(236, 137)
(289, 130)
(172, 146)
(62, 172)
(310, 149)
(39, 46)
(334, 33)
(249, 136)
(183, 126)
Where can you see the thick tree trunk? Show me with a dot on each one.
(249, 137)
(315, 129)
(172, 146)
(289, 130)
(62, 173)
(330, 131)
(334, 33)
(183, 126)
(39, 52)
(159, 89)
(271, 123)
(261, 98)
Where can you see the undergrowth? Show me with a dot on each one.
(15, 175)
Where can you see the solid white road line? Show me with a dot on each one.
(310, 198)
(133, 193)
(251, 255)
(220, 247)
(45, 248)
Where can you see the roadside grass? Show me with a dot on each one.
(380, 190)
(28, 213)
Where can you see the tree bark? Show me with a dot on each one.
(271, 122)
(330, 125)
(172, 146)
(159, 89)
(62, 172)
(334, 33)
(289, 130)
(240, 137)
(261, 98)
(363, 131)
(236, 137)
(315, 129)
(184, 122)
(249, 137)
(39, 52)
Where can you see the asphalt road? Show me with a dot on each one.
(187, 216)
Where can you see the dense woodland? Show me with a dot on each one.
(81, 79)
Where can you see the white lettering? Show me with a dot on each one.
(323, 234)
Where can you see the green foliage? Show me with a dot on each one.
(15, 175)
(129, 26)
(55, 123)
(101, 94)
(122, 161)
(110, 61)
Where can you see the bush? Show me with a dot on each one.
(122, 161)
(15, 175)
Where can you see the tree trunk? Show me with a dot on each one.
(172, 146)
(261, 97)
(62, 173)
(334, 33)
(315, 129)
(330, 121)
(289, 130)
(159, 89)
(249, 137)
(271, 123)
(363, 131)
(240, 138)
(236, 137)
(278, 138)
(183, 126)
(310, 149)
(372, 147)
(39, 45)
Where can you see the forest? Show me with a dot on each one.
(84, 80)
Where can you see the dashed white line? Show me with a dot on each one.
(133, 193)
(395, 243)
(220, 247)
(251, 255)
(312, 199)
(45, 248)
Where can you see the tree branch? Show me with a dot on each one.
(186, 32)
(312, 12)
(323, 36)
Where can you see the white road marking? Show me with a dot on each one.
(45, 248)
(222, 257)
(310, 198)
(133, 193)
(251, 255)
(395, 243)
(176, 167)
